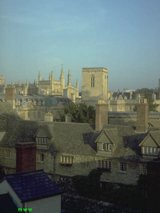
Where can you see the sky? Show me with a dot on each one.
(42, 35)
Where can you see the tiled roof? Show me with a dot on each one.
(73, 138)
(125, 140)
(6, 204)
(156, 136)
(32, 185)
(153, 135)
(19, 131)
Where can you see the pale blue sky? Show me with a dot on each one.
(122, 35)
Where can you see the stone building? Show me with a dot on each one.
(58, 87)
(31, 191)
(66, 149)
(94, 84)
(2, 80)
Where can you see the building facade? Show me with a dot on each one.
(94, 84)
(51, 86)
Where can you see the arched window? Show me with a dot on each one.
(92, 81)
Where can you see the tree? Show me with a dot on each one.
(80, 113)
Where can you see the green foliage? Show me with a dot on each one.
(80, 113)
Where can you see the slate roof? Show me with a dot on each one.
(6, 204)
(19, 131)
(154, 123)
(125, 140)
(152, 135)
(31, 186)
(73, 138)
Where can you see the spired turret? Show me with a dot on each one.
(77, 85)
(62, 79)
(39, 76)
(69, 78)
(51, 78)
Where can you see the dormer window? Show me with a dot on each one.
(107, 147)
(42, 140)
(148, 150)
(66, 160)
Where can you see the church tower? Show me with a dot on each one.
(94, 84)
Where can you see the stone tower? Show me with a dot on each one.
(94, 84)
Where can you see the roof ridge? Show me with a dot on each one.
(21, 173)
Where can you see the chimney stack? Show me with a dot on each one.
(101, 115)
(142, 116)
(25, 157)
(48, 117)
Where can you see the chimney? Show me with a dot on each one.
(101, 115)
(142, 116)
(48, 117)
(25, 157)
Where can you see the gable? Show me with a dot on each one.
(148, 141)
(103, 138)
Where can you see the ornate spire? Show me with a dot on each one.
(62, 73)
(39, 76)
(69, 78)
(77, 84)
(51, 76)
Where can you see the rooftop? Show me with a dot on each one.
(32, 185)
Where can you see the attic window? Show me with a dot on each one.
(107, 147)
(41, 140)
(148, 150)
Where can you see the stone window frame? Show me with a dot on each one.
(66, 160)
(107, 147)
(92, 80)
(105, 164)
(41, 140)
(149, 150)
(123, 166)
